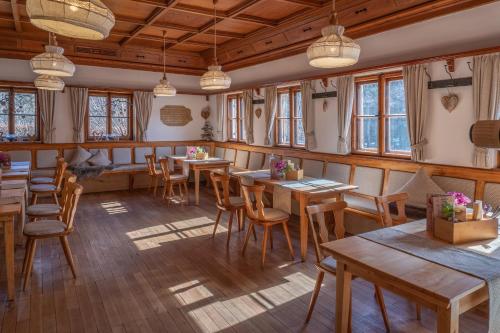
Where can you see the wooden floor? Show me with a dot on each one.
(146, 267)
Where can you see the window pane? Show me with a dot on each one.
(98, 106)
(25, 103)
(300, 138)
(397, 131)
(284, 110)
(283, 131)
(4, 124)
(119, 106)
(368, 99)
(368, 133)
(395, 97)
(298, 104)
(234, 129)
(97, 126)
(4, 102)
(119, 126)
(232, 108)
(25, 125)
(243, 133)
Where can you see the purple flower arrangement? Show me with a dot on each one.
(4, 159)
(460, 198)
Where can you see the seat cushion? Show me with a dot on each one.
(46, 158)
(42, 187)
(236, 201)
(329, 263)
(274, 214)
(42, 180)
(44, 227)
(122, 156)
(43, 209)
(418, 187)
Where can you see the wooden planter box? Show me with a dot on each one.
(465, 232)
(295, 175)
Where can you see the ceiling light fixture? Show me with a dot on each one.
(215, 78)
(164, 88)
(52, 61)
(49, 82)
(86, 19)
(333, 49)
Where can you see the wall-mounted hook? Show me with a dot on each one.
(451, 76)
(469, 65)
(427, 73)
(333, 85)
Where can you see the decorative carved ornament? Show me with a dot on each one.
(175, 115)
(450, 101)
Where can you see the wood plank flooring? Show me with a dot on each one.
(144, 266)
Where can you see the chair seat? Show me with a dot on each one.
(43, 188)
(43, 209)
(178, 177)
(236, 201)
(42, 180)
(274, 214)
(44, 228)
(329, 264)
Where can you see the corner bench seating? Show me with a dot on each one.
(374, 176)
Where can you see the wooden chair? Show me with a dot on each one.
(227, 203)
(327, 264)
(265, 217)
(154, 174)
(383, 208)
(53, 189)
(171, 180)
(44, 229)
(48, 180)
(37, 211)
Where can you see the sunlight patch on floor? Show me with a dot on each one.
(488, 248)
(114, 207)
(155, 236)
(190, 292)
(250, 305)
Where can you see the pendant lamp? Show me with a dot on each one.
(164, 88)
(49, 82)
(52, 62)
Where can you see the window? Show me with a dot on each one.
(236, 116)
(379, 119)
(289, 129)
(109, 115)
(19, 113)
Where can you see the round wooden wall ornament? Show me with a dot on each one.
(258, 112)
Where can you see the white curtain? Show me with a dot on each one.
(345, 100)
(46, 100)
(221, 116)
(486, 99)
(308, 119)
(248, 119)
(78, 102)
(270, 106)
(143, 106)
(415, 83)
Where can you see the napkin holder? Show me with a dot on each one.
(465, 232)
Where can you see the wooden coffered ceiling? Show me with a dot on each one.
(249, 31)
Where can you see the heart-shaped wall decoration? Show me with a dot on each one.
(205, 112)
(450, 102)
(258, 112)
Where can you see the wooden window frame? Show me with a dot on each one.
(292, 120)
(11, 113)
(239, 131)
(109, 96)
(382, 80)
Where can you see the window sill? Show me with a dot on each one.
(382, 156)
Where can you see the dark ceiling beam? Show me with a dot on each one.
(16, 16)
(308, 3)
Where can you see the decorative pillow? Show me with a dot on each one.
(100, 158)
(81, 155)
(418, 187)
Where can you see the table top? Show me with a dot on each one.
(17, 170)
(210, 160)
(411, 272)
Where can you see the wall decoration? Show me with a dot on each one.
(450, 101)
(205, 112)
(258, 112)
(207, 131)
(175, 115)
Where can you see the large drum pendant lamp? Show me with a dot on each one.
(333, 49)
(49, 82)
(52, 62)
(85, 19)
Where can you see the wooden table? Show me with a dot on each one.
(7, 214)
(201, 165)
(18, 170)
(18, 190)
(442, 289)
(319, 189)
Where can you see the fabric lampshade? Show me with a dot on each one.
(52, 62)
(164, 88)
(215, 79)
(333, 49)
(48, 82)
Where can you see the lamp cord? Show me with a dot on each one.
(164, 73)
(334, 19)
(215, 33)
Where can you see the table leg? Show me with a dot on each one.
(9, 256)
(447, 319)
(343, 298)
(197, 186)
(21, 222)
(304, 226)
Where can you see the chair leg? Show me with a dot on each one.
(29, 242)
(219, 213)
(34, 198)
(229, 227)
(238, 216)
(264, 244)
(271, 236)
(419, 311)
(56, 200)
(381, 303)
(247, 237)
(67, 253)
(314, 296)
(288, 240)
(155, 189)
(165, 190)
(29, 263)
(187, 192)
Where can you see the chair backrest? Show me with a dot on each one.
(59, 176)
(69, 178)
(221, 184)
(165, 169)
(253, 198)
(73, 193)
(317, 213)
(150, 160)
(384, 212)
